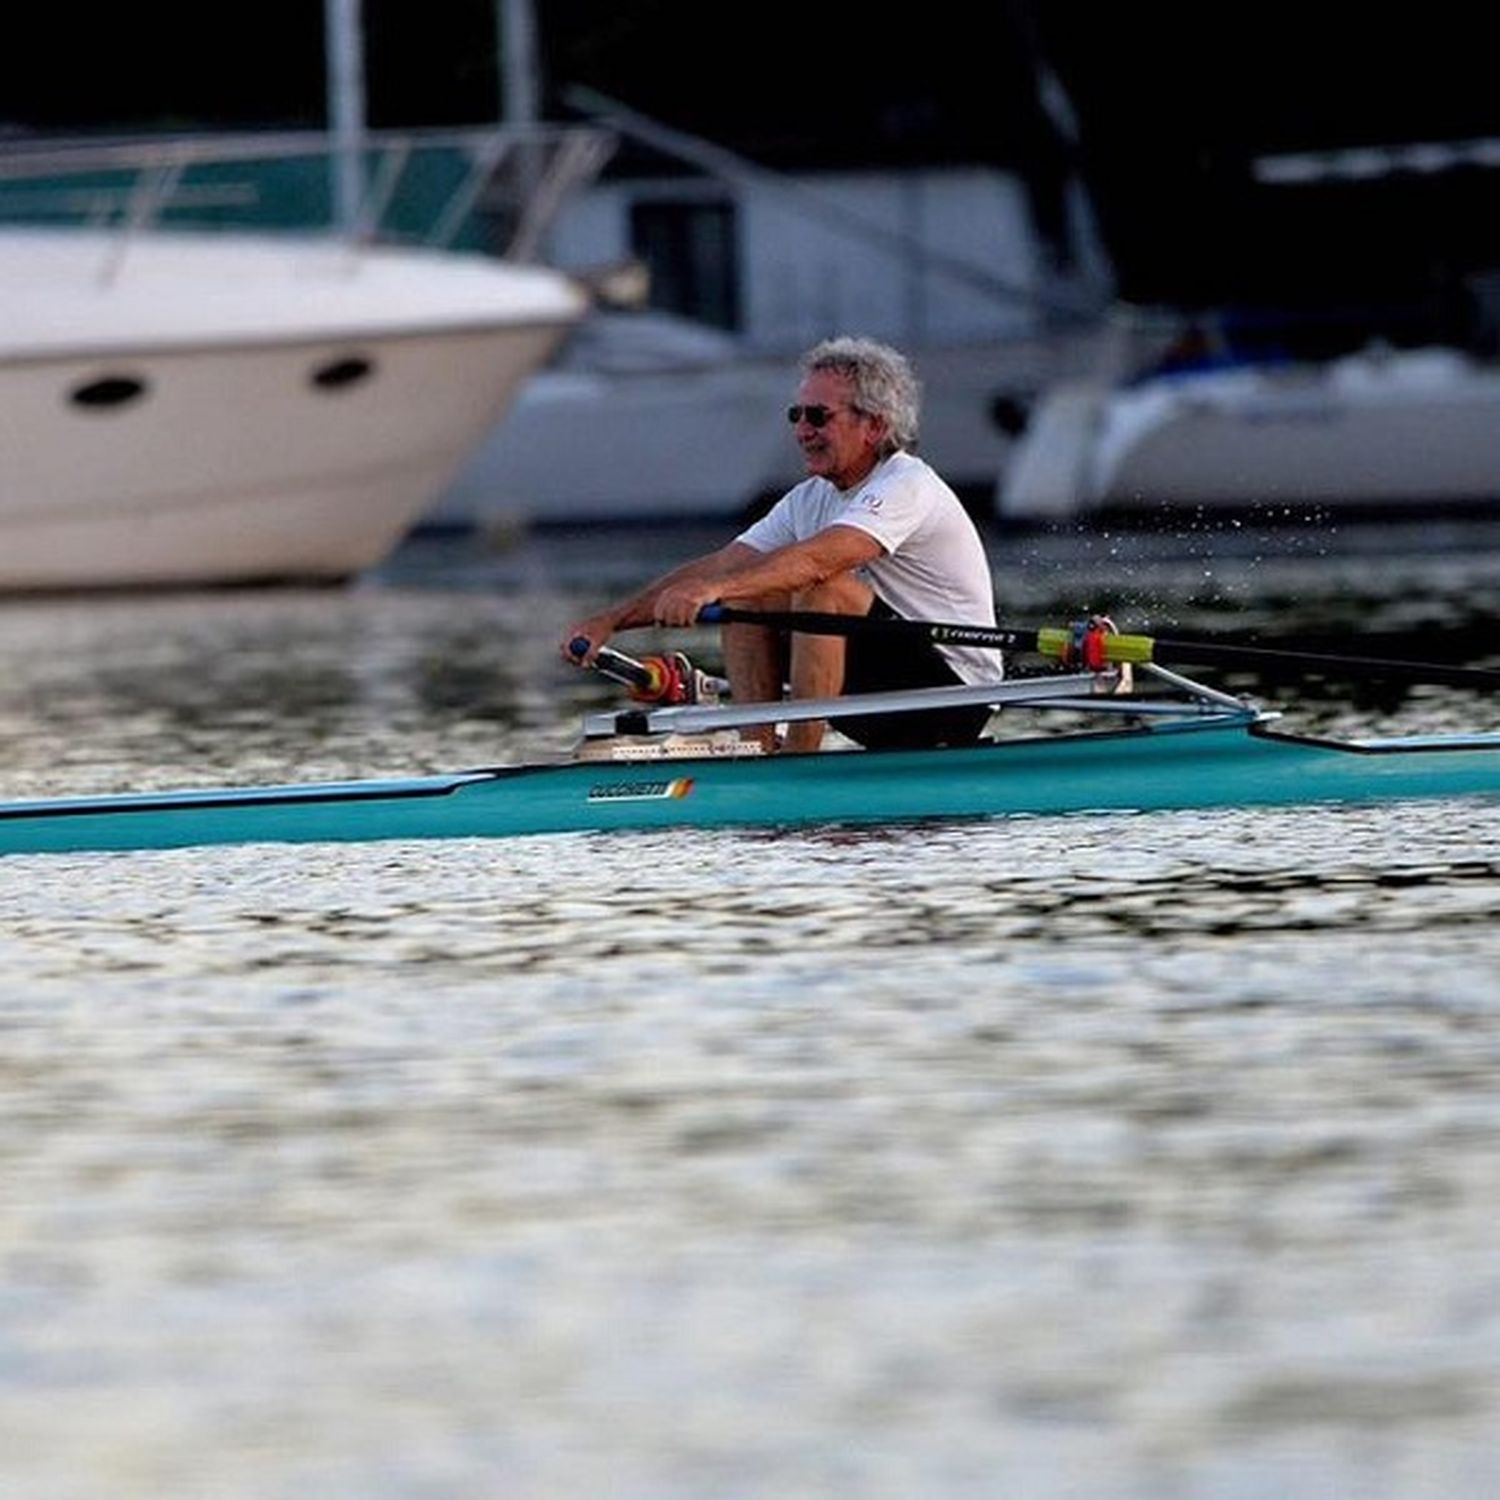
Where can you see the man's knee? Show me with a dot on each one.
(842, 594)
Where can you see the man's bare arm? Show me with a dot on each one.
(782, 573)
(639, 609)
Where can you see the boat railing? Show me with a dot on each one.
(1076, 692)
(497, 190)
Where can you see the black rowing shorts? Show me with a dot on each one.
(873, 664)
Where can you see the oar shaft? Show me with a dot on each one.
(1212, 653)
(1115, 649)
(1054, 642)
(655, 679)
(810, 622)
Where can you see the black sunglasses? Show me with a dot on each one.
(816, 416)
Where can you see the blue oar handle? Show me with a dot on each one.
(711, 614)
(579, 646)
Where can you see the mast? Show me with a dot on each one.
(519, 69)
(343, 31)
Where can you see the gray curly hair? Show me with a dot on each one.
(882, 380)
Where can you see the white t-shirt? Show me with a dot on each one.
(933, 566)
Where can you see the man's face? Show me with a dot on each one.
(847, 446)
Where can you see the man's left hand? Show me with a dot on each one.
(679, 604)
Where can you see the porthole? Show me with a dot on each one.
(109, 392)
(341, 374)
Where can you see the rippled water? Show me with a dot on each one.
(1134, 1156)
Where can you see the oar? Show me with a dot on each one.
(1099, 648)
(653, 679)
(639, 676)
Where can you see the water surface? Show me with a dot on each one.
(1128, 1156)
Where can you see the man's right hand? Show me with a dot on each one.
(594, 631)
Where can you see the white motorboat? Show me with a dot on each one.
(642, 417)
(1381, 429)
(188, 405)
(648, 417)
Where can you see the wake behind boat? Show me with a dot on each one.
(1172, 743)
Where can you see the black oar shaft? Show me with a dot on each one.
(1213, 653)
(810, 622)
(1113, 648)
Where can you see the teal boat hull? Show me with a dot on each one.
(1172, 766)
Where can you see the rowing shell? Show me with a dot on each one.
(1217, 760)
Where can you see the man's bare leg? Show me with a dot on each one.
(752, 662)
(817, 669)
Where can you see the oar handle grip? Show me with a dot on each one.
(616, 664)
(667, 679)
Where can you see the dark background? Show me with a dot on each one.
(1173, 104)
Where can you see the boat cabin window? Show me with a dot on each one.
(691, 251)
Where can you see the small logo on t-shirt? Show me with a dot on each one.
(869, 501)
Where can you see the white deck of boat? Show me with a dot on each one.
(64, 291)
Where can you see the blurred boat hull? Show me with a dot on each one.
(1373, 431)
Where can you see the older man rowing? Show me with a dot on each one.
(873, 530)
